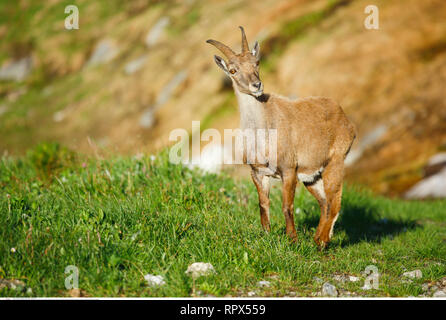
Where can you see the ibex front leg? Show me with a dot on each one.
(262, 184)
(289, 180)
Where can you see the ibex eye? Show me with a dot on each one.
(257, 63)
(232, 71)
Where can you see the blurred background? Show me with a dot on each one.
(135, 70)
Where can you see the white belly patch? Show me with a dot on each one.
(310, 178)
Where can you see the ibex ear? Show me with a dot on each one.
(256, 50)
(221, 63)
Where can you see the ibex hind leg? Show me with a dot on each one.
(332, 185)
(316, 188)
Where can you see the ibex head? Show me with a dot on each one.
(243, 68)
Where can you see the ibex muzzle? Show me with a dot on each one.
(313, 139)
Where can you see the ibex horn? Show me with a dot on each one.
(223, 48)
(245, 46)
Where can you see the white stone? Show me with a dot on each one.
(198, 269)
(437, 159)
(147, 119)
(367, 141)
(104, 51)
(416, 274)
(340, 278)
(154, 281)
(135, 65)
(439, 293)
(433, 186)
(16, 70)
(156, 31)
(329, 290)
(264, 284)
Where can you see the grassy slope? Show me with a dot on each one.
(120, 219)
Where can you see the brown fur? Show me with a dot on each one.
(314, 136)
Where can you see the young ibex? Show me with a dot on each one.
(313, 138)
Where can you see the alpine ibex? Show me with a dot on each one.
(313, 139)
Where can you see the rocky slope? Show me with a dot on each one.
(135, 71)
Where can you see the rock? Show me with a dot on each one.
(154, 281)
(16, 70)
(435, 164)
(198, 269)
(292, 294)
(425, 287)
(135, 65)
(433, 288)
(439, 293)
(104, 52)
(148, 118)
(264, 284)
(367, 141)
(156, 31)
(273, 277)
(416, 274)
(251, 294)
(317, 279)
(353, 278)
(170, 87)
(12, 284)
(59, 116)
(433, 186)
(340, 278)
(329, 290)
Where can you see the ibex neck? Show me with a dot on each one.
(252, 111)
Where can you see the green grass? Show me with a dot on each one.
(119, 219)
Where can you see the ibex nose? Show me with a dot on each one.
(257, 85)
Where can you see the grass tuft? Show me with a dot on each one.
(119, 219)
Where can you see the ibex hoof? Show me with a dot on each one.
(320, 243)
(293, 237)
